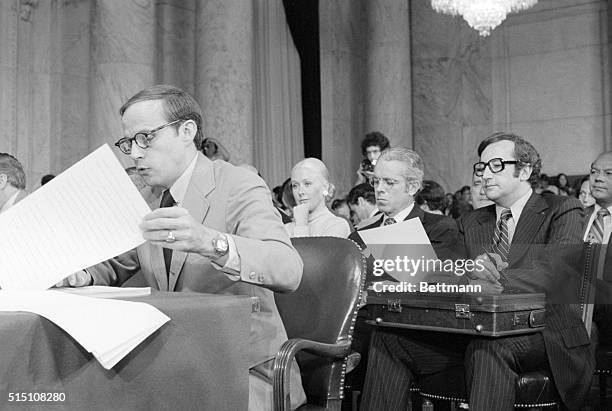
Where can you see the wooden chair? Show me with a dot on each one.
(319, 318)
(533, 389)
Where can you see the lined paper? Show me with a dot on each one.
(84, 216)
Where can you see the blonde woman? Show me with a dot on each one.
(311, 188)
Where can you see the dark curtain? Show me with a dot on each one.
(303, 21)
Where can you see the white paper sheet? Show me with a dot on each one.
(107, 328)
(402, 251)
(102, 291)
(87, 214)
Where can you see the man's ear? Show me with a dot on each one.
(360, 201)
(525, 173)
(413, 187)
(3, 181)
(188, 130)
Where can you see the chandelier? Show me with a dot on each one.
(482, 15)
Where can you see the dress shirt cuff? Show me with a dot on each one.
(301, 231)
(232, 265)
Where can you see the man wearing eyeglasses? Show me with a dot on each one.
(527, 244)
(398, 176)
(213, 229)
(597, 230)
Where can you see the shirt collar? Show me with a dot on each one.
(516, 208)
(9, 203)
(598, 207)
(179, 188)
(401, 216)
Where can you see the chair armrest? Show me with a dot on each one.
(284, 359)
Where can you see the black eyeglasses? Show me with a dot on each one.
(495, 165)
(142, 139)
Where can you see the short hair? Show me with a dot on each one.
(321, 168)
(11, 167)
(177, 105)
(375, 138)
(431, 193)
(363, 190)
(413, 161)
(337, 203)
(524, 152)
(46, 178)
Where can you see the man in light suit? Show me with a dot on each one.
(526, 243)
(597, 229)
(224, 237)
(12, 182)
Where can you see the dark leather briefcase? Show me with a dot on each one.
(492, 315)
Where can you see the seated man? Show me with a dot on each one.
(597, 229)
(362, 202)
(12, 182)
(397, 177)
(537, 242)
(224, 237)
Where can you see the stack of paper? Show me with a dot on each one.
(101, 291)
(109, 329)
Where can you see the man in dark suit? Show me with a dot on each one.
(398, 176)
(213, 230)
(526, 243)
(597, 229)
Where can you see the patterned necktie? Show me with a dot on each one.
(596, 232)
(389, 221)
(501, 242)
(167, 201)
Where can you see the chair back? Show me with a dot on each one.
(324, 309)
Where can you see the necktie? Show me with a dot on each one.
(501, 242)
(596, 232)
(389, 221)
(167, 201)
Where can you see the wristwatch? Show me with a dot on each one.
(220, 245)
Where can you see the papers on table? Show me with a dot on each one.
(85, 215)
(401, 251)
(109, 329)
(102, 291)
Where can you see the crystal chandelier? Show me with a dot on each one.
(482, 15)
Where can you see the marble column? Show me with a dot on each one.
(123, 60)
(175, 57)
(342, 39)
(388, 107)
(224, 78)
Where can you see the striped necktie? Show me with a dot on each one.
(501, 241)
(389, 221)
(596, 233)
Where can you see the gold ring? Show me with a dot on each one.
(170, 238)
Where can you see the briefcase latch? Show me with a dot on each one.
(394, 306)
(462, 311)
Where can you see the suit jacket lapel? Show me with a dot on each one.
(482, 234)
(528, 226)
(202, 182)
(415, 212)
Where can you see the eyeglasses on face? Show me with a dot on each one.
(496, 165)
(386, 182)
(142, 139)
